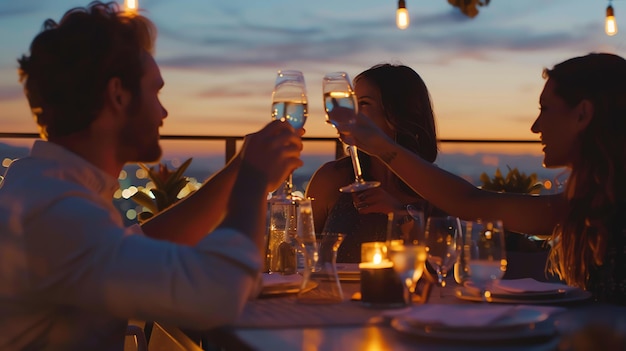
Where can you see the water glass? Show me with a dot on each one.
(324, 286)
(407, 251)
(443, 243)
(305, 237)
(485, 255)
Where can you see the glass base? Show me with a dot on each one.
(359, 186)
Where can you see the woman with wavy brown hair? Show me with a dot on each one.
(582, 124)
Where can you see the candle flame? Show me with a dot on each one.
(378, 258)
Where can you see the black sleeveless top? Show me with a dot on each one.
(360, 228)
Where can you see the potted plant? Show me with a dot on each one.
(167, 185)
(514, 182)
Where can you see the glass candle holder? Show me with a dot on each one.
(380, 285)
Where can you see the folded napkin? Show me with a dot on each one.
(274, 279)
(457, 315)
(526, 285)
(472, 316)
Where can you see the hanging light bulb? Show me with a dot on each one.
(402, 15)
(131, 6)
(610, 26)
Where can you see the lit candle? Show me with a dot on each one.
(375, 251)
(380, 285)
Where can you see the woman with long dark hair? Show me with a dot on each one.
(396, 99)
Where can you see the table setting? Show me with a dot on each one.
(393, 300)
(400, 295)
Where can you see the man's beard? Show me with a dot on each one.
(137, 148)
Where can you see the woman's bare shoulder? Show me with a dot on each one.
(332, 174)
(335, 167)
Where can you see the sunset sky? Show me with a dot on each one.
(219, 57)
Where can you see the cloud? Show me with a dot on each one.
(244, 37)
(18, 8)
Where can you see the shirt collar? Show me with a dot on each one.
(73, 167)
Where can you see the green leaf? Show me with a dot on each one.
(176, 175)
(172, 192)
(144, 200)
(161, 199)
(179, 172)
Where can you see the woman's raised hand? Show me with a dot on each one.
(361, 132)
(375, 200)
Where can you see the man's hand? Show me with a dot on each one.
(274, 152)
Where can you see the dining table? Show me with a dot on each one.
(279, 321)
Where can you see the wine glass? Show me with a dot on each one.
(486, 258)
(289, 103)
(338, 92)
(406, 249)
(443, 244)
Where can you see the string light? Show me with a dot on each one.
(402, 15)
(610, 26)
(131, 6)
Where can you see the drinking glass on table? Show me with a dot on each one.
(443, 244)
(406, 249)
(305, 238)
(289, 103)
(337, 91)
(325, 287)
(486, 256)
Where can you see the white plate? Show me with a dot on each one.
(526, 324)
(535, 298)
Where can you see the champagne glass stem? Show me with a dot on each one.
(356, 164)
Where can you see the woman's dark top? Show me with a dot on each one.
(360, 228)
(344, 218)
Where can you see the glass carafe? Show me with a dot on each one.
(281, 245)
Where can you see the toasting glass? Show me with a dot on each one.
(338, 91)
(289, 103)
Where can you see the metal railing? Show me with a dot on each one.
(230, 142)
